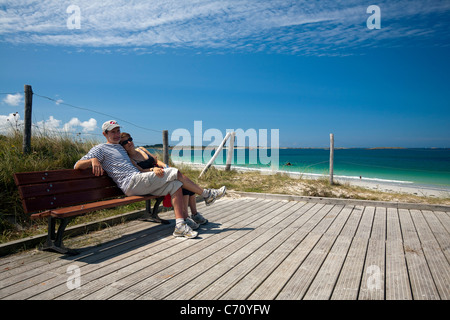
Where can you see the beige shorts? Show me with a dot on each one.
(149, 183)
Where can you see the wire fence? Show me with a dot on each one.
(49, 129)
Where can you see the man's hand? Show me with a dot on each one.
(158, 171)
(97, 168)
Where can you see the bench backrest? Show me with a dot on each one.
(44, 190)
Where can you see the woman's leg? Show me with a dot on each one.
(193, 204)
(188, 184)
(185, 206)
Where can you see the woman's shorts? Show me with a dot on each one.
(149, 183)
(186, 192)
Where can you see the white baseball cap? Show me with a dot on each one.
(109, 125)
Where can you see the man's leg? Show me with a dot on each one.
(177, 202)
(181, 228)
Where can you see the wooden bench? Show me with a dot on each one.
(64, 194)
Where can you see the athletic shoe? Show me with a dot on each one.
(192, 223)
(215, 194)
(198, 218)
(183, 230)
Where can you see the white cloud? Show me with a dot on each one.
(13, 99)
(277, 25)
(87, 126)
(49, 126)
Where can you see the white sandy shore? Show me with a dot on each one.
(373, 184)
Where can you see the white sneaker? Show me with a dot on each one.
(215, 194)
(198, 218)
(192, 223)
(183, 230)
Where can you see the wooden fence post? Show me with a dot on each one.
(331, 157)
(230, 155)
(27, 120)
(166, 147)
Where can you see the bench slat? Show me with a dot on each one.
(24, 178)
(88, 207)
(69, 199)
(70, 186)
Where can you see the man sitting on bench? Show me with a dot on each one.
(111, 157)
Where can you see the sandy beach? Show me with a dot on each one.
(367, 183)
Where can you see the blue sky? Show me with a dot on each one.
(307, 68)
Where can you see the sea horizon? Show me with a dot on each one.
(427, 167)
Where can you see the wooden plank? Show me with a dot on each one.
(58, 187)
(99, 205)
(373, 279)
(444, 217)
(365, 225)
(397, 280)
(441, 234)
(64, 200)
(422, 284)
(437, 263)
(24, 178)
(348, 283)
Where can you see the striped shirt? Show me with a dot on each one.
(115, 161)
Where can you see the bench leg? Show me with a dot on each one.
(55, 240)
(152, 215)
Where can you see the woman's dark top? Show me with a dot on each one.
(147, 164)
(150, 163)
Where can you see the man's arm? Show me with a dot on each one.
(97, 168)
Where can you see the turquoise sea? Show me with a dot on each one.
(425, 167)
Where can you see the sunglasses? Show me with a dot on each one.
(126, 141)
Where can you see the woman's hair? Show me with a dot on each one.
(124, 136)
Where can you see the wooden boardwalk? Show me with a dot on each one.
(251, 249)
